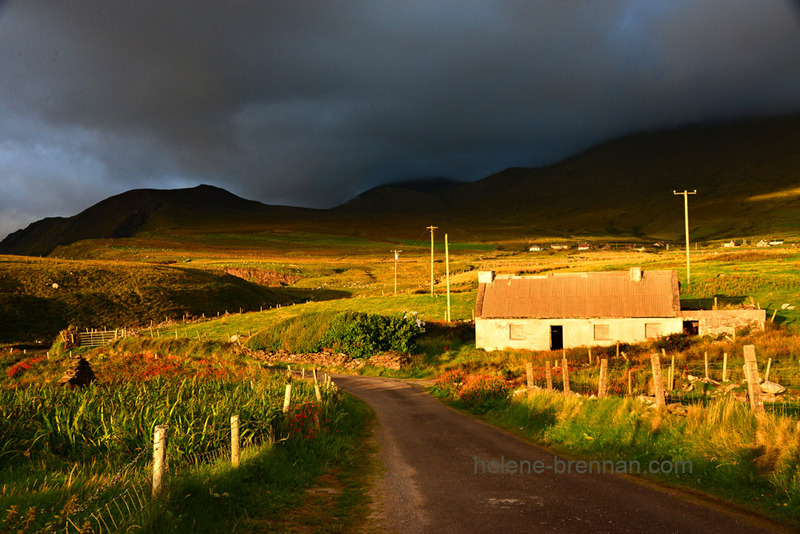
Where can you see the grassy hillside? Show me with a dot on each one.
(97, 294)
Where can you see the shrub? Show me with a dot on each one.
(677, 342)
(449, 383)
(361, 335)
(357, 334)
(481, 392)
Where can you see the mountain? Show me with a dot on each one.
(745, 173)
(127, 214)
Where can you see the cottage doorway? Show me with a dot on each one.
(556, 337)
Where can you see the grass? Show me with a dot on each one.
(66, 453)
(40, 296)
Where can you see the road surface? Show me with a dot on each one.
(439, 477)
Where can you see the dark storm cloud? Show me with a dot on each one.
(309, 103)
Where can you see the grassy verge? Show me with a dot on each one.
(299, 485)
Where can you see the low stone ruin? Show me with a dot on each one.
(79, 374)
(328, 358)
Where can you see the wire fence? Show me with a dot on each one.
(128, 498)
(684, 382)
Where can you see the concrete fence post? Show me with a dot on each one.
(235, 440)
(724, 366)
(529, 374)
(159, 458)
(287, 398)
(602, 386)
(658, 379)
(548, 372)
(750, 369)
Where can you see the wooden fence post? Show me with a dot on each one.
(724, 366)
(590, 355)
(287, 399)
(751, 375)
(630, 382)
(159, 458)
(601, 388)
(565, 374)
(235, 440)
(672, 374)
(705, 359)
(529, 374)
(549, 375)
(658, 380)
(766, 374)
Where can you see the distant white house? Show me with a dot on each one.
(729, 244)
(776, 242)
(534, 248)
(559, 247)
(564, 310)
(584, 246)
(763, 243)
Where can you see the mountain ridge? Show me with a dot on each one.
(623, 187)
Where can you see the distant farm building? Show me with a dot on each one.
(559, 247)
(584, 246)
(729, 244)
(534, 248)
(565, 310)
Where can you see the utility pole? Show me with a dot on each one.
(447, 270)
(432, 228)
(396, 259)
(686, 194)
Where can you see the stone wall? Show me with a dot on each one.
(717, 322)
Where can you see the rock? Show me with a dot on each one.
(731, 387)
(772, 388)
(677, 408)
(79, 374)
(688, 387)
(389, 361)
(646, 400)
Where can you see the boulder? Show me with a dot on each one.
(772, 388)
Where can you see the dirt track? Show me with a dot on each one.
(431, 454)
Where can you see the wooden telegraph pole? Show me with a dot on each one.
(686, 194)
(432, 228)
(396, 259)
(447, 270)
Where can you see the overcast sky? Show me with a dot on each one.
(310, 103)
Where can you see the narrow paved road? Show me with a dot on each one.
(430, 483)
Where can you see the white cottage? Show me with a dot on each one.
(566, 310)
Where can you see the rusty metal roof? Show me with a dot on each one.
(581, 295)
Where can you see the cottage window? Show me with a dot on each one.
(652, 330)
(602, 332)
(516, 332)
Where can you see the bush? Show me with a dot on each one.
(677, 342)
(448, 384)
(360, 335)
(481, 392)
